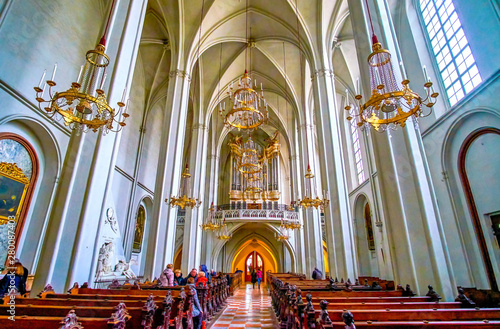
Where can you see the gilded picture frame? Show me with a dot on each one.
(13, 188)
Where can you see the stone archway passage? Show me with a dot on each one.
(248, 308)
(253, 261)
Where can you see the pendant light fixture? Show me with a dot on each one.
(390, 103)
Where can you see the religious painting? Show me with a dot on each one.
(12, 192)
(17, 174)
(139, 229)
(369, 227)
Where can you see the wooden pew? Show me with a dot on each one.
(383, 309)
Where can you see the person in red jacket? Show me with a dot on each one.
(202, 278)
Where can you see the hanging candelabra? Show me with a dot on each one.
(283, 233)
(249, 109)
(390, 104)
(183, 200)
(250, 163)
(210, 222)
(309, 200)
(84, 106)
(223, 232)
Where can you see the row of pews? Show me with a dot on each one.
(370, 303)
(139, 305)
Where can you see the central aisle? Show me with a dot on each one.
(248, 308)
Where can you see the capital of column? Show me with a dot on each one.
(307, 126)
(200, 126)
(323, 72)
(179, 74)
(213, 156)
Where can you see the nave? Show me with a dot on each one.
(248, 308)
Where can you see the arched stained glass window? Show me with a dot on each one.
(450, 46)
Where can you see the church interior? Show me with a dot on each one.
(339, 148)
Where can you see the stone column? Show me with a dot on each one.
(339, 231)
(168, 177)
(313, 246)
(191, 246)
(86, 177)
(407, 193)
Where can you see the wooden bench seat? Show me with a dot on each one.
(421, 324)
(361, 299)
(374, 306)
(417, 314)
(79, 302)
(35, 322)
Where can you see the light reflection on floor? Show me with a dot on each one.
(248, 308)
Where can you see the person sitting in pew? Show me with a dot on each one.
(193, 274)
(197, 313)
(14, 281)
(178, 279)
(317, 275)
(238, 271)
(167, 277)
(202, 278)
(204, 269)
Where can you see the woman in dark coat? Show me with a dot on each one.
(254, 278)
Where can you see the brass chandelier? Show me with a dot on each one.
(222, 233)
(283, 233)
(250, 159)
(309, 200)
(210, 223)
(183, 200)
(389, 105)
(249, 109)
(84, 105)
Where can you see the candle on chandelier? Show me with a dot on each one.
(103, 80)
(426, 76)
(357, 86)
(124, 93)
(403, 72)
(41, 80)
(43, 91)
(54, 72)
(79, 74)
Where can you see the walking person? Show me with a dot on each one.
(254, 278)
(259, 276)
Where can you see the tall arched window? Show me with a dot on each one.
(139, 229)
(450, 46)
(358, 157)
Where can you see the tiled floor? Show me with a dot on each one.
(248, 308)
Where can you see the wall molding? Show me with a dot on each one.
(26, 102)
(462, 103)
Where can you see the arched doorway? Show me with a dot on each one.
(482, 198)
(253, 261)
(365, 241)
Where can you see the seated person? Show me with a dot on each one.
(14, 281)
(202, 278)
(238, 271)
(178, 279)
(193, 274)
